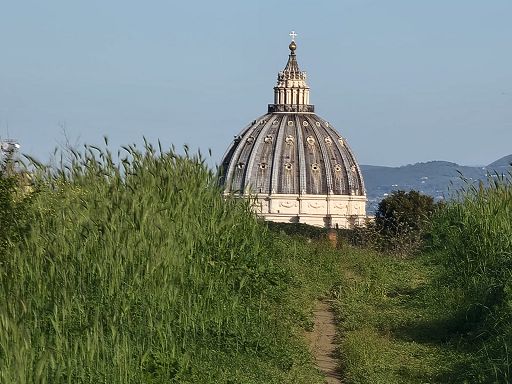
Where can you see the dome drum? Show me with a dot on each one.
(331, 211)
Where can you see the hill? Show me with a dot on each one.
(504, 162)
(439, 179)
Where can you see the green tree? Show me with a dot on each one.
(401, 219)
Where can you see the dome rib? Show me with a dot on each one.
(240, 142)
(302, 160)
(327, 160)
(277, 160)
(257, 154)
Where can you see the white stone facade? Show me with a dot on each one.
(336, 211)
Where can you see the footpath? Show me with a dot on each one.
(322, 342)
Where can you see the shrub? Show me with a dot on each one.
(298, 229)
(401, 220)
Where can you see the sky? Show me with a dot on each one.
(403, 81)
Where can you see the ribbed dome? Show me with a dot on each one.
(299, 168)
(291, 153)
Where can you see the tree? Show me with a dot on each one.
(401, 219)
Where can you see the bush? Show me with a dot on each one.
(401, 220)
(298, 229)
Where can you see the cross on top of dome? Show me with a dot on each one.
(292, 45)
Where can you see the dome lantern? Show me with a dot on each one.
(291, 94)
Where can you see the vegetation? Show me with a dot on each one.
(14, 205)
(401, 224)
(140, 271)
(401, 219)
(298, 230)
(404, 212)
(395, 327)
(474, 242)
(443, 316)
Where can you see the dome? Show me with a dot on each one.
(291, 153)
(295, 163)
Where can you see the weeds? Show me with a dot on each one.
(140, 271)
(474, 236)
(443, 316)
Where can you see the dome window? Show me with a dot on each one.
(288, 166)
(250, 140)
(337, 168)
(289, 139)
(317, 123)
(315, 167)
(290, 123)
(340, 140)
(311, 140)
(275, 122)
(305, 123)
(263, 165)
(328, 140)
(262, 122)
(268, 139)
(240, 165)
(326, 124)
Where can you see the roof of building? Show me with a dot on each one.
(291, 150)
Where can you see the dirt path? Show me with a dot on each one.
(321, 341)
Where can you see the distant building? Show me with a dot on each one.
(8, 150)
(294, 164)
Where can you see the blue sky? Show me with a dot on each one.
(404, 81)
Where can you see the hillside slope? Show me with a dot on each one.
(439, 179)
(504, 162)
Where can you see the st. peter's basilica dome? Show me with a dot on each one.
(294, 163)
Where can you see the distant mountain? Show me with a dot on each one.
(505, 161)
(439, 179)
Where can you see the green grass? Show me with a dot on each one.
(474, 241)
(393, 323)
(143, 273)
(441, 317)
(140, 271)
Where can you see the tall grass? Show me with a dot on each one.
(475, 236)
(444, 316)
(140, 271)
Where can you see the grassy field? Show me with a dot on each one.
(143, 273)
(443, 316)
(139, 271)
(396, 322)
